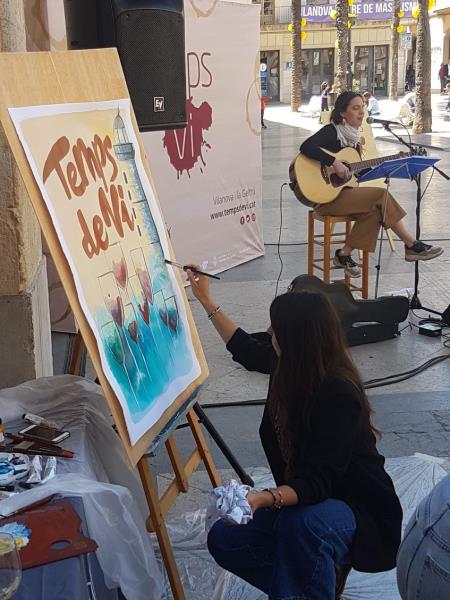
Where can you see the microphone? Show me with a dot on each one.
(384, 122)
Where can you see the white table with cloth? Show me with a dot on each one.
(113, 500)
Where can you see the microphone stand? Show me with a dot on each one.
(417, 150)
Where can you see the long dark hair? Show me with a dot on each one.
(313, 349)
(341, 104)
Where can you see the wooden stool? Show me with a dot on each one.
(327, 239)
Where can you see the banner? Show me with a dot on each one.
(369, 10)
(208, 175)
(86, 161)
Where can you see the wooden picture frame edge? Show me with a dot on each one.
(57, 78)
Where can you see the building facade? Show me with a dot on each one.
(371, 46)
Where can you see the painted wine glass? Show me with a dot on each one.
(152, 331)
(112, 297)
(10, 567)
(140, 300)
(163, 323)
(132, 327)
(118, 265)
(115, 306)
(172, 313)
(113, 341)
(142, 272)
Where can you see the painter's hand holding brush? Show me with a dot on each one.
(201, 290)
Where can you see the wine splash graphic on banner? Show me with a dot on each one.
(185, 147)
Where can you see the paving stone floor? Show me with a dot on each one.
(414, 415)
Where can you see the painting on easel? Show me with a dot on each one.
(87, 163)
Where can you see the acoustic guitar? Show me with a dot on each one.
(314, 183)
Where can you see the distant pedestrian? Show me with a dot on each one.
(372, 105)
(325, 90)
(325, 87)
(443, 74)
(264, 100)
(410, 75)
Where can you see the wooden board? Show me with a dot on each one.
(49, 524)
(40, 78)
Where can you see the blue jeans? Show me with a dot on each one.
(290, 553)
(423, 562)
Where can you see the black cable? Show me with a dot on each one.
(429, 363)
(438, 360)
(279, 238)
(409, 324)
(370, 384)
(426, 187)
(446, 342)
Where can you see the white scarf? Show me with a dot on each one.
(348, 135)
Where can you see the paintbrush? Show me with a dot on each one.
(193, 269)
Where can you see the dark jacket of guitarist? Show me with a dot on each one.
(369, 206)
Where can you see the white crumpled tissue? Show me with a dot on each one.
(229, 502)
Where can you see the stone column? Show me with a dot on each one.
(25, 339)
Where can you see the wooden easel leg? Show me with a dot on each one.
(151, 494)
(203, 448)
(77, 354)
(177, 465)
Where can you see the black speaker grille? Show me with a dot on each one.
(152, 52)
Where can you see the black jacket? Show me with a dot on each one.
(335, 458)
(324, 138)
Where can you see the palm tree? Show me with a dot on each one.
(422, 118)
(342, 44)
(393, 92)
(296, 89)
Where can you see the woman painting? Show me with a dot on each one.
(333, 507)
(370, 206)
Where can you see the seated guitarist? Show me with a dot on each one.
(369, 206)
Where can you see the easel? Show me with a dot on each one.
(88, 76)
(160, 506)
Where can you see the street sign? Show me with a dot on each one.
(406, 41)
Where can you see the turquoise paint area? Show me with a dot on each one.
(145, 359)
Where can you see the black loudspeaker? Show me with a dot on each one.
(149, 36)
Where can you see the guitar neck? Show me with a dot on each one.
(373, 162)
